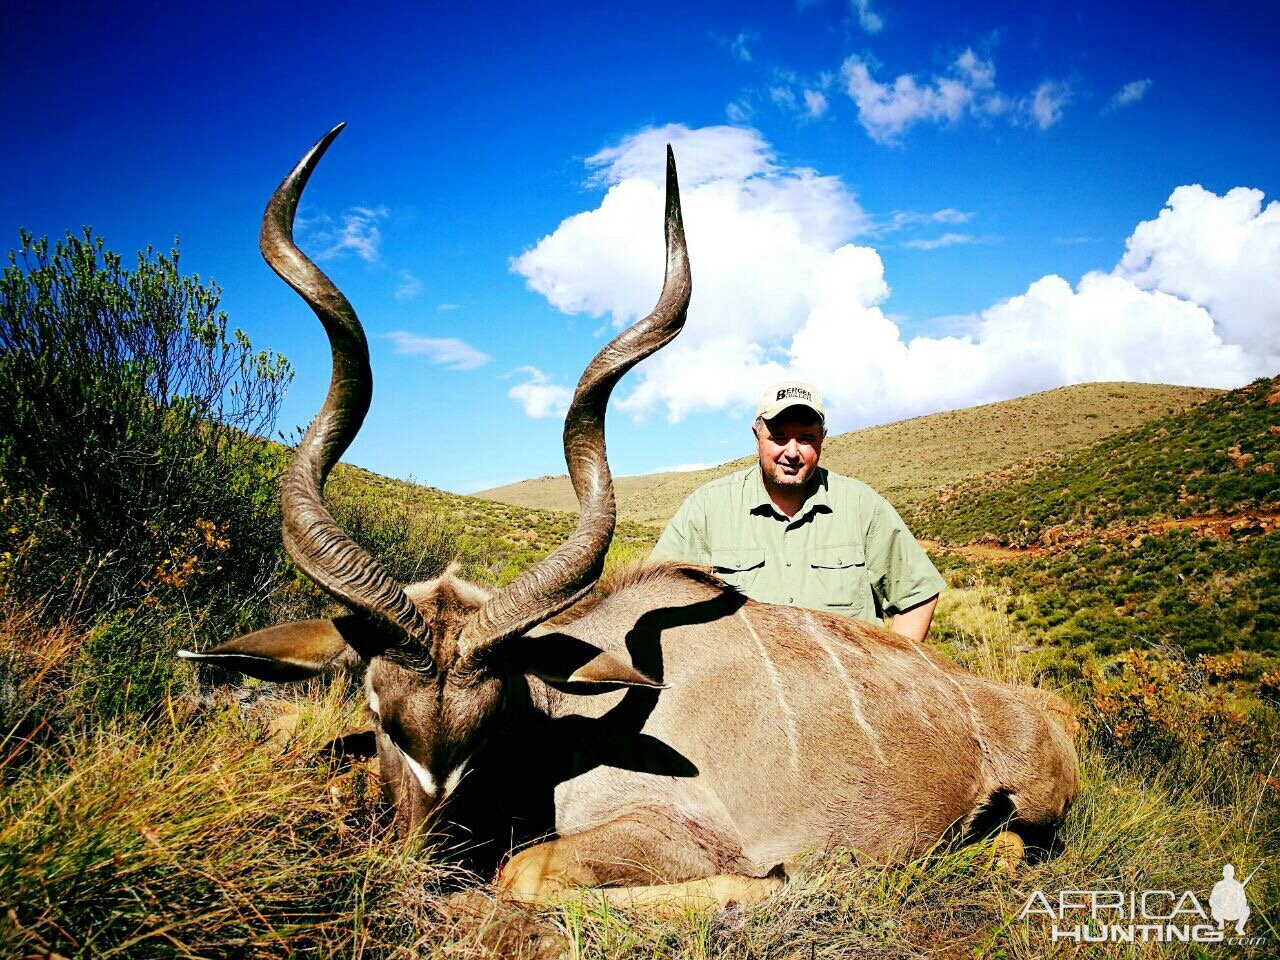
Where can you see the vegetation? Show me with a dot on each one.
(1203, 594)
(1219, 456)
(211, 831)
(128, 472)
(418, 530)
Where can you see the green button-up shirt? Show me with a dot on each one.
(846, 550)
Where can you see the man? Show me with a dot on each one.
(786, 530)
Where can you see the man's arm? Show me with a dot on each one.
(902, 575)
(914, 622)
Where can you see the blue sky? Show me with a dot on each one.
(917, 206)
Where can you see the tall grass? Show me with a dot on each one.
(193, 833)
(206, 830)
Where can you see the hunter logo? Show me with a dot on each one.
(1140, 916)
(1228, 901)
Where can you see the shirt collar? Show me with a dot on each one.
(818, 499)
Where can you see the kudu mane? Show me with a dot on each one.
(642, 577)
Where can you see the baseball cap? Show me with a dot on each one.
(789, 393)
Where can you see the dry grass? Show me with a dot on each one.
(971, 625)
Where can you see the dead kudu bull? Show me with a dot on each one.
(677, 740)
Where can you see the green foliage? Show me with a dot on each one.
(125, 665)
(1219, 456)
(128, 472)
(1205, 595)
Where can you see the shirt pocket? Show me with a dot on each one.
(738, 568)
(840, 578)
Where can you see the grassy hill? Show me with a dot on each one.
(1221, 455)
(417, 530)
(910, 460)
(193, 824)
(1200, 591)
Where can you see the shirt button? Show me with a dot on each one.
(788, 563)
(791, 599)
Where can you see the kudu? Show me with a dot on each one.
(676, 739)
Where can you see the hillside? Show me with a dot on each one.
(416, 530)
(1111, 548)
(1216, 457)
(1164, 535)
(909, 460)
(1177, 751)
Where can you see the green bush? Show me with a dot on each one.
(125, 666)
(129, 470)
(1206, 595)
(412, 546)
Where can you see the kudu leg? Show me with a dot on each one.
(637, 862)
(671, 900)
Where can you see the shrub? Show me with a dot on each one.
(129, 472)
(412, 546)
(1153, 706)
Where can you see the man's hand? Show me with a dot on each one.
(913, 623)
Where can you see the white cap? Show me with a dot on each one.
(789, 393)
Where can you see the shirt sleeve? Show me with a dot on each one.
(901, 573)
(683, 537)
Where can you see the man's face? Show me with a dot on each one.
(789, 447)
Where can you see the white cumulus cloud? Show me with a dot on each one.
(753, 222)
(783, 288)
(539, 396)
(886, 110)
(1222, 252)
(448, 352)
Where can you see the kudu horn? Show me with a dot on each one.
(312, 538)
(562, 578)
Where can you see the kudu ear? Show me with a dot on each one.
(570, 664)
(283, 653)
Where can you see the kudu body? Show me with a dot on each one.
(675, 738)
